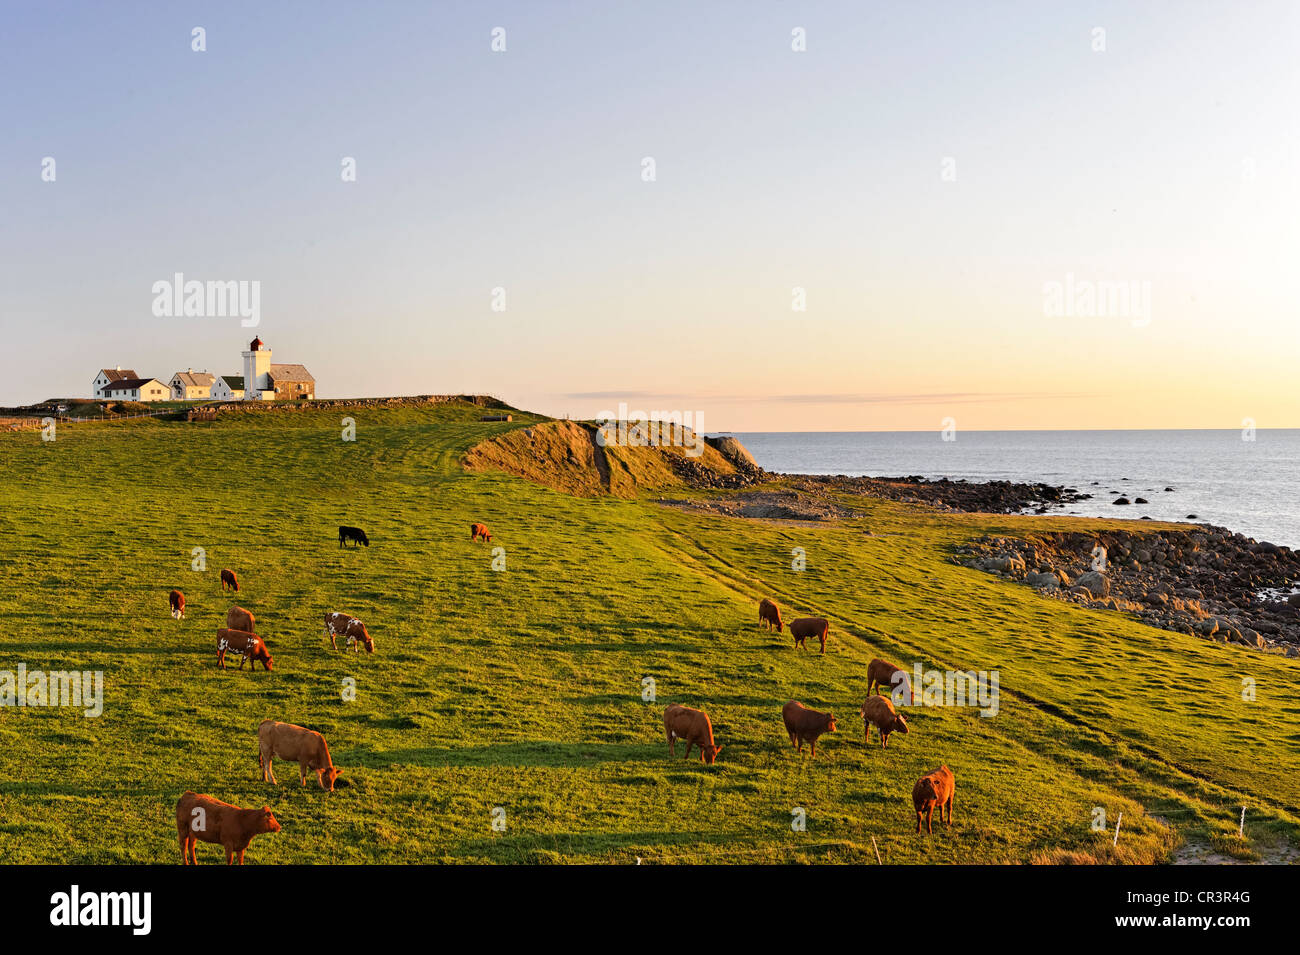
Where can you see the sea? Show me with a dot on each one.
(1246, 481)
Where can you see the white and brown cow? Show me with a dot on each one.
(338, 624)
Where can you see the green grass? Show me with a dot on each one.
(522, 689)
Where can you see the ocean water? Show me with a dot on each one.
(1249, 486)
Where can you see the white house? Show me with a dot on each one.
(137, 389)
(98, 388)
(228, 388)
(191, 385)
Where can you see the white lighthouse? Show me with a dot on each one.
(257, 371)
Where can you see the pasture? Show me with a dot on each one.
(521, 689)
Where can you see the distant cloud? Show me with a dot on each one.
(923, 398)
(927, 398)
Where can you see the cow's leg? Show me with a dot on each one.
(221, 659)
(185, 849)
(302, 774)
(884, 740)
(918, 820)
(949, 810)
(672, 742)
(230, 854)
(812, 748)
(689, 744)
(241, 854)
(929, 815)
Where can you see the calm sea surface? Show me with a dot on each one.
(1248, 486)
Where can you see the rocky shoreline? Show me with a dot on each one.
(987, 497)
(1206, 581)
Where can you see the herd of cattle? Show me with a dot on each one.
(201, 818)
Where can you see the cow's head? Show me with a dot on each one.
(266, 660)
(327, 776)
(268, 821)
(709, 754)
(926, 790)
(369, 643)
(900, 723)
(364, 539)
(830, 722)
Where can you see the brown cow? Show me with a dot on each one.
(295, 744)
(881, 673)
(176, 600)
(805, 725)
(237, 618)
(935, 788)
(339, 624)
(769, 614)
(204, 819)
(479, 530)
(228, 579)
(693, 726)
(877, 711)
(806, 627)
(249, 646)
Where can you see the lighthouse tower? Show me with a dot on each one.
(257, 371)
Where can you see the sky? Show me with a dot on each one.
(895, 227)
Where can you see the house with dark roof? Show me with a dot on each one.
(228, 388)
(106, 376)
(137, 389)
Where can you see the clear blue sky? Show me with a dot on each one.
(775, 169)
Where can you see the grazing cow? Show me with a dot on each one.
(805, 725)
(228, 579)
(176, 600)
(935, 788)
(882, 673)
(479, 530)
(338, 624)
(237, 618)
(769, 614)
(296, 744)
(248, 646)
(806, 627)
(354, 534)
(877, 711)
(693, 726)
(204, 819)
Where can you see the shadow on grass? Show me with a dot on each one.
(523, 753)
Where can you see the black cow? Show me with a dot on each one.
(354, 534)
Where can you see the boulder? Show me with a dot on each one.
(1095, 582)
(1044, 581)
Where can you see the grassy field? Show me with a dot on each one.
(522, 688)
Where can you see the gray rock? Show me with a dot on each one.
(1095, 582)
